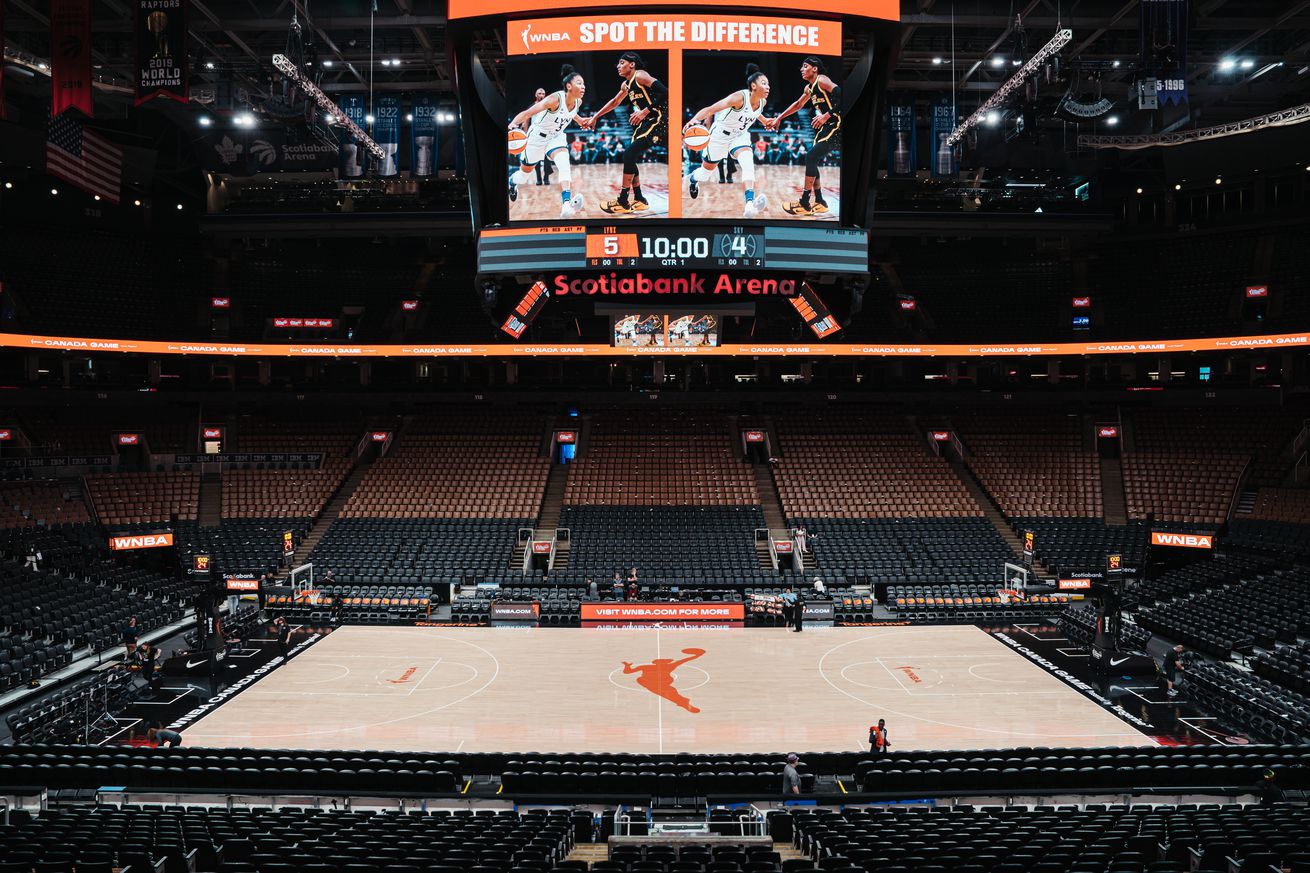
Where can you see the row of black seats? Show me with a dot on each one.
(415, 551)
(907, 550)
(1079, 545)
(1286, 665)
(1078, 623)
(200, 839)
(75, 711)
(1262, 707)
(1140, 839)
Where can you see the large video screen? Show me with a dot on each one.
(645, 117)
(675, 330)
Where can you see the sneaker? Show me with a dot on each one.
(756, 206)
(693, 187)
(640, 206)
(513, 189)
(796, 207)
(819, 208)
(616, 207)
(572, 208)
(1173, 692)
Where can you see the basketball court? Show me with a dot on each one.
(757, 690)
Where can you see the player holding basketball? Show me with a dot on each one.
(550, 116)
(825, 95)
(649, 100)
(734, 116)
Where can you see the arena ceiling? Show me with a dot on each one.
(943, 44)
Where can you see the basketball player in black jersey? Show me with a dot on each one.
(648, 100)
(825, 96)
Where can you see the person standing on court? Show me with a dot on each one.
(791, 777)
(798, 612)
(283, 631)
(1173, 665)
(788, 598)
(878, 741)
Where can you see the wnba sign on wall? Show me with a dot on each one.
(161, 43)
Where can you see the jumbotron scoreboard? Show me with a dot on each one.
(744, 247)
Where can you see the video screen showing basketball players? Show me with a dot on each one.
(588, 136)
(639, 331)
(761, 136)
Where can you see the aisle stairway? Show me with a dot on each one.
(994, 515)
(210, 511)
(1112, 492)
(332, 511)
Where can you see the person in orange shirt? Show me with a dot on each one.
(878, 742)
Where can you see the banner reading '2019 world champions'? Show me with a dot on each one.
(161, 43)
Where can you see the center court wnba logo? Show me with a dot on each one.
(657, 677)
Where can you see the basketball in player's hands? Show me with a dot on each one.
(696, 136)
(518, 141)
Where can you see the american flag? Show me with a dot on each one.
(84, 158)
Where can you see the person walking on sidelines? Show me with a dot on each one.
(791, 777)
(788, 598)
(1173, 666)
(283, 631)
(878, 740)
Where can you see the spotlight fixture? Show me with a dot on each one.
(1218, 180)
(1178, 187)
(998, 62)
(1226, 65)
(209, 65)
(1116, 64)
(1247, 64)
(409, 116)
(993, 118)
(368, 119)
(329, 119)
(204, 121)
(97, 198)
(9, 185)
(1112, 120)
(136, 202)
(1139, 190)
(328, 63)
(179, 207)
(937, 62)
(54, 192)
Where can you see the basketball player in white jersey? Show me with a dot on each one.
(730, 136)
(550, 117)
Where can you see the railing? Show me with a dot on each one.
(1237, 492)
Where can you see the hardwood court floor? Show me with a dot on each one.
(757, 690)
(595, 184)
(780, 183)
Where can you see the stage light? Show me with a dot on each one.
(1112, 120)
(97, 198)
(325, 103)
(179, 207)
(1016, 62)
(1247, 64)
(1218, 180)
(1116, 64)
(937, 62)
(204, 121)
(993, 118)
(998, 62)
(1178, 187)
(1017, 81)
(54, 192)
(368, 119)
(1227, 65)
(136, 202)
(409, 116)
(9, 185)
(1139, 190)
(329, 119)
(209, 65)
(395, 62)
(327, 63)
(386, 62)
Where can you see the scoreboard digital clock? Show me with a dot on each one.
(801, 249)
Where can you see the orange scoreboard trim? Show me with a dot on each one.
(885, 9)
(681, 31)
(1268, 342)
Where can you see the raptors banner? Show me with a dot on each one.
(902, 152)
(247, 152)
(161, 36)
(423, 137)
(351, 161)
(945, 157)
(70, 56)
(1163, 35)
(386, 133)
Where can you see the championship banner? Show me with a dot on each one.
(141, 541)
(1163, 32)
(70, 56)
(350, 161)
(161, 60)
(386, 133)
(423, 137)
(902, 147)
(945, 158)
(643, 612)
(2, 62)
(248, 152)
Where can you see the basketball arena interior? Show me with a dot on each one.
(513, 436)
